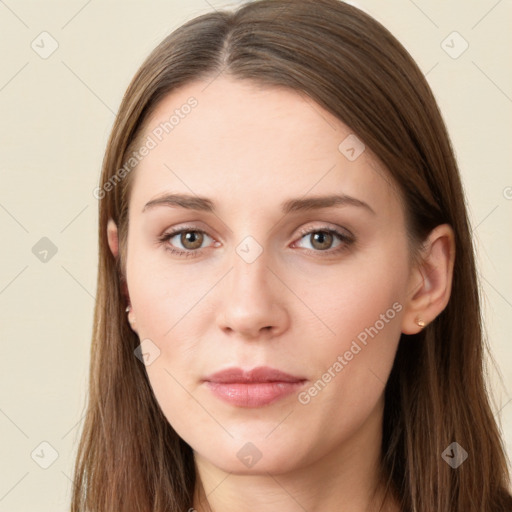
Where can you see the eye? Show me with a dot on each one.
(190, 239)
(322, 240)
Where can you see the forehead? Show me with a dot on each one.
(245, 143)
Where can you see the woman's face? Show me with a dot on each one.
(268, 271)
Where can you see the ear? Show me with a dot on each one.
(113, 243)
(430, 281)
(113, 238)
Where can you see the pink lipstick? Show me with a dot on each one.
(254, 388)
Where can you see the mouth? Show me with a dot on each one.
(258, 387)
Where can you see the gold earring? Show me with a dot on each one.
(421, 323)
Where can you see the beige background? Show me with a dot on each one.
(56, 114)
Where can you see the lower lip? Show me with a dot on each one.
(255, 394)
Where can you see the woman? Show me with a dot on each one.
(287, 314)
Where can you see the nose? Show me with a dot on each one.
(252, 301)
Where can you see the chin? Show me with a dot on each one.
(254, 458)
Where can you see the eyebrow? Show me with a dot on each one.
(192, 202)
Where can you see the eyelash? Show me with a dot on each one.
(346, 240)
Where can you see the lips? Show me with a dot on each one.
(254, 388)
(259, 374)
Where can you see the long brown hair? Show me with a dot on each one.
(129, 457)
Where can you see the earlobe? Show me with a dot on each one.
(430, 282)
(131, 319)
(113, 243)
(113, 238)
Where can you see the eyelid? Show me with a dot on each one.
(167, 235)
(343, 234)
(327, 227)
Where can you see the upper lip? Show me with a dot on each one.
(259, 374)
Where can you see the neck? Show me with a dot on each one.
(347, 479)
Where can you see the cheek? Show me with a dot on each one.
(358, 295)
(358, 325)
(169, 301)
(167, 305)
(164, 294)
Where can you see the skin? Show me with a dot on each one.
(295, 307)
